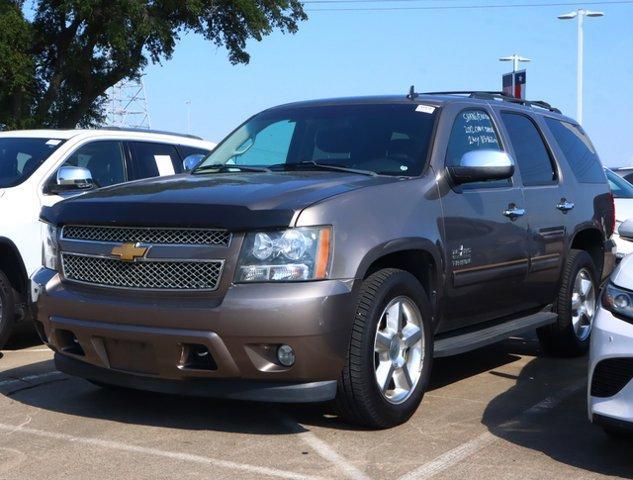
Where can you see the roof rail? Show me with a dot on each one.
(485, 95)
(144, 130)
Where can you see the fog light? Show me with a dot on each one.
(286, 355)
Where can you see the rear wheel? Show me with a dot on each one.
(575, 306)
(390, 353)
(7, 309)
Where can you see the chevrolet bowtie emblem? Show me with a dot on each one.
(128, 252)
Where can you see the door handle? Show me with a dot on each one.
(564, 205)
(513, 212)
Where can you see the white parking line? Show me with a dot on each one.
(184, 457)
(29, 378)
(465, 450)
(325, 451)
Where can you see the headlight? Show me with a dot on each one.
(618, 301)
(288, 255)
(50, 247)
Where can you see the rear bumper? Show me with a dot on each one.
(140, 340)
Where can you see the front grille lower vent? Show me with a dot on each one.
(150, 235)
(610, 376)
(144, 275)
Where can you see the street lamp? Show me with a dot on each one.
(580, 14)
(188, 103)
(515, 59)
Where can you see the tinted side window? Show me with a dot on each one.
(105, 160)
(533, 157)
(154, 159)
(578, 150)
(472, 130)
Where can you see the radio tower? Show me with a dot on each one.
(128, 106)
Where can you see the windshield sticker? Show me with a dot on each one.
(424, 109)
(53, 142)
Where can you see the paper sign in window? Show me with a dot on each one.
(165, 165)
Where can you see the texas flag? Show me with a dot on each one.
(519, 84)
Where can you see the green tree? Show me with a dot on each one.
(58, 57)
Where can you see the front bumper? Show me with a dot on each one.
(140, 340)
(611, 340)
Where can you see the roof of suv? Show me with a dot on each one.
(438, 99)
(109, 132)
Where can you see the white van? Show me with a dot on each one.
(41, 167)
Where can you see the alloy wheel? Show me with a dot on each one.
(399, 350)
(583, 304)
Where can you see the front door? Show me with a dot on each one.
(485, 233)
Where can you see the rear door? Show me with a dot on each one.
(486, 250)
(547, 201)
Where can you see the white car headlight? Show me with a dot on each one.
(50, 246)
(618, 301)
(295, 254)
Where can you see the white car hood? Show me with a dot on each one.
(622, 276)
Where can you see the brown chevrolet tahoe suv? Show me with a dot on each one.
(329, 250)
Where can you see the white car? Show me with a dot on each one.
(610, 394)
(622, 192)
(41, 167)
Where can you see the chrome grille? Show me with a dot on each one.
(151, 235)
(144, 275)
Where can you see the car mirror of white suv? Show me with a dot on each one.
(192, 161)
(626, 229)
(73, 178)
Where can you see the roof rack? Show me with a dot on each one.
(144, 130)
(486, 95)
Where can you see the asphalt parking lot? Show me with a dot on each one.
(499, 412)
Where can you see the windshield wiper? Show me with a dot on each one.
(336, 168)
(223, 168)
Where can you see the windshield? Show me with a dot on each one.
(21, 157)
(619, 187)
(388, 139)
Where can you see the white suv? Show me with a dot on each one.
(41, 167)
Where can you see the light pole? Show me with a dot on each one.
(580, 14)
(516, 60)
(188, 103)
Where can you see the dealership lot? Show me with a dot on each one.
(498, 412)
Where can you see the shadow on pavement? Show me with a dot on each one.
(563, 433)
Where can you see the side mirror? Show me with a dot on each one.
(482, 165)
(626, 229)
(192, 161)
(74, 178)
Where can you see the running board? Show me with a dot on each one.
(459, 343)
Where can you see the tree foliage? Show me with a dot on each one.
(58, 57)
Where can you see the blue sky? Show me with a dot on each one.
(383, 52)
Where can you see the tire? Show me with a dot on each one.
(7, 309)
(359, 398)
(570, 337)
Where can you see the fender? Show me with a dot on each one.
(23, 276)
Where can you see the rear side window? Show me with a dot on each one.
(532, 156)
(185, 151)
(154, 159)
(578, 150)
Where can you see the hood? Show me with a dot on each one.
(235, 201)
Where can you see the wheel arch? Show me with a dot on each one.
(591, 240)
(420, 257)
(12, 265)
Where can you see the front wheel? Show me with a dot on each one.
(7, 309)
(390, 353)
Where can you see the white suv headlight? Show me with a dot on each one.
(289, 255)
(50, 246)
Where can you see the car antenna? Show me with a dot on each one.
(412, 93)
